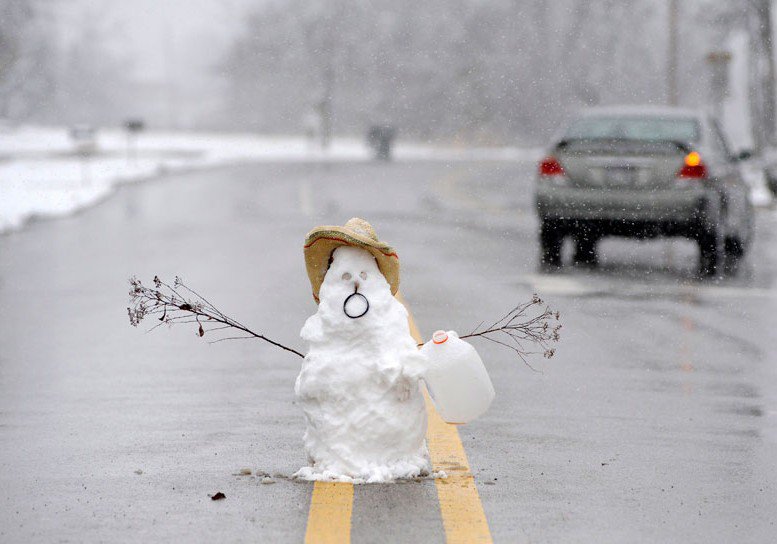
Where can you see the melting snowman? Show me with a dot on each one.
(359, 386)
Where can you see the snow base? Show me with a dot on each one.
(359, 385)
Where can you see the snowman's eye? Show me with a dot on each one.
(363, 275)
(347, 276)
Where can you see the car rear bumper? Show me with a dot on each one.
(689, 206)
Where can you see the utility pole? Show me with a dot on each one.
(671, 90)
(326, 49)
(762, 74)
(671, 65)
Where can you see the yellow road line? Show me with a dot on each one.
(329, 519)
(462, 513)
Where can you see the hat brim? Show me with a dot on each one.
(321, 242)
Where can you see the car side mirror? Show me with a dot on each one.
(743, 155)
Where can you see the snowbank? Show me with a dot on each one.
(41, 174)
(755, 177)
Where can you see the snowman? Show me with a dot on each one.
(359, 385)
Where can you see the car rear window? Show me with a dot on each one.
(634, 128)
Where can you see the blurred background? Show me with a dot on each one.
(499, 72)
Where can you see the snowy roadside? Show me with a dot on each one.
(41, 175)
(755, 177)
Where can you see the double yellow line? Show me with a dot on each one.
(329, 518)
(331, 505)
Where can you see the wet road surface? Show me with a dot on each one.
(655, 421)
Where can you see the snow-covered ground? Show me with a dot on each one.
(41, 174)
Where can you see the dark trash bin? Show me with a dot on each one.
(380, 138)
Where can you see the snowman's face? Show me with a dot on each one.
(353, 270)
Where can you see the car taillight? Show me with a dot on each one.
(693, 167)
(549, 166)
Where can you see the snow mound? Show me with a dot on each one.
(359, 384)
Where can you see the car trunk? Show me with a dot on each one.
(621, 164)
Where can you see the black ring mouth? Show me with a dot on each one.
(349, 297)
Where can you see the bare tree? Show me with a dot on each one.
(26, 60)
(455, 68)
(93, 82)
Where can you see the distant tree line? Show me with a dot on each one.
(484, 71)
(479, 71)
(45, 80)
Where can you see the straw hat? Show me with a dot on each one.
(321, 242)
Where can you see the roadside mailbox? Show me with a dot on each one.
(133, 126)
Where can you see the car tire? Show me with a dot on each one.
(771, 180)
(734, 251)
(585, 251)
(551, 239)
(711, 252)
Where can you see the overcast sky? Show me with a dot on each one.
(192, 34)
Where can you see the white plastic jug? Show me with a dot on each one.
(456, 379)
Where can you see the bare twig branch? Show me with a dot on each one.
(231, 338)
(518, 327)
(174, 308)
(171, 306)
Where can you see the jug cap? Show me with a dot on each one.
(439, 337)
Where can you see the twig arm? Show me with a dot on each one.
(518, 326)
(175, 308)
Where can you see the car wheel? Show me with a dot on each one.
(711, 252)
(734, 252)
(585, 251)
(771, 180)
(551, 238)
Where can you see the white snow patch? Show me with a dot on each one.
(755, 177)
(44, 176)
(359, 384)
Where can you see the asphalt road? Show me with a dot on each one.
(655, 422)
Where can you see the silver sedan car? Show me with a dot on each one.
(643, 172)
